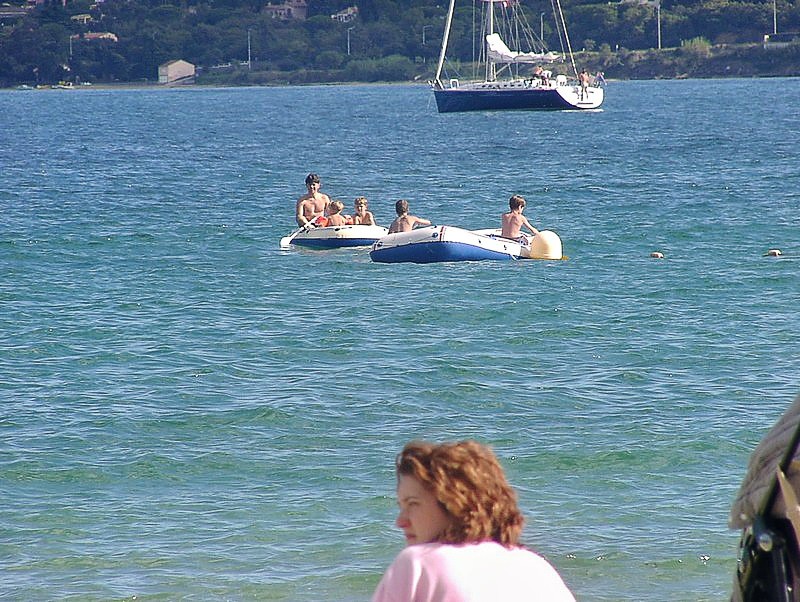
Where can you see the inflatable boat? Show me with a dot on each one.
(334, 237)
(449, 243)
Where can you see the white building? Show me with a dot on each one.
(173, 72)
(346, 15)
(289, 9)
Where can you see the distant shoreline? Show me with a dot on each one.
(692, 61)
(154, 86)
(696, 59)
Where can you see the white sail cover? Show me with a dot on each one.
(500, 53)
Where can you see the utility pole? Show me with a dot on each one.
(424, 27)
(658, 12)
(774, 16)
(248, 50)
(349, 29)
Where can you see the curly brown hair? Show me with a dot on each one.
(470, 486)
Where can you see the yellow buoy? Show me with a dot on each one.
(546, 245)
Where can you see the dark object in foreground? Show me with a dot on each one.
(767, 511)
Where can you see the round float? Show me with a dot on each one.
(546, 245)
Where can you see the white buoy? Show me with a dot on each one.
(774, 253)
(546, 245)
(657, 255)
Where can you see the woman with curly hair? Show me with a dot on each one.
(462, 527)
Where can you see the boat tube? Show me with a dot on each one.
(434, 244)
(334, 237)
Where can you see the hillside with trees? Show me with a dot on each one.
(240, 41)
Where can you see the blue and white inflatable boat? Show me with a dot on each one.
(448, 243)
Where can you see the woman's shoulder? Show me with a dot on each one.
(420, 550)
(482, 568)
(478, 556)
(478, 550)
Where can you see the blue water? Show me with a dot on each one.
(189, 412)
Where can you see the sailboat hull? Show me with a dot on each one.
(497, 97)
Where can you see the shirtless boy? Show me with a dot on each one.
(312, 204)
(513, 221)
(405, 222)
(363, 215)
(335, 217)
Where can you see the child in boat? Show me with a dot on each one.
(335, 217)
(362, 215)
(405, 222)
(513, 221)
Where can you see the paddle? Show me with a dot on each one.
(287, 240)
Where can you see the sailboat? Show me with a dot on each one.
(504, 86)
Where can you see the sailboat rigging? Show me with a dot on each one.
(503, 87)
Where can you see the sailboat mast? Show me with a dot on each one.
(445, 39)
(566, 37)
(491, 73)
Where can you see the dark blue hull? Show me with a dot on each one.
(456, 100)
(434, 252)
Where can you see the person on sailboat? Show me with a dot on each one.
(599, 80)
(583, 78)
(513, 221)
(311, 205)
(405, 222)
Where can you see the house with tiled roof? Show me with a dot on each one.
(289, 9)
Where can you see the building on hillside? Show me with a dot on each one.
(346, 15)
(83, 18)
(11, 13)
(92, 36)
(176, 72)
(100, 35)
(780, 40)
(290, 9)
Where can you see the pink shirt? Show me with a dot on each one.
(481, 572)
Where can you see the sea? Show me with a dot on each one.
(190, 412)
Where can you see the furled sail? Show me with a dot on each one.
(499, 52)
